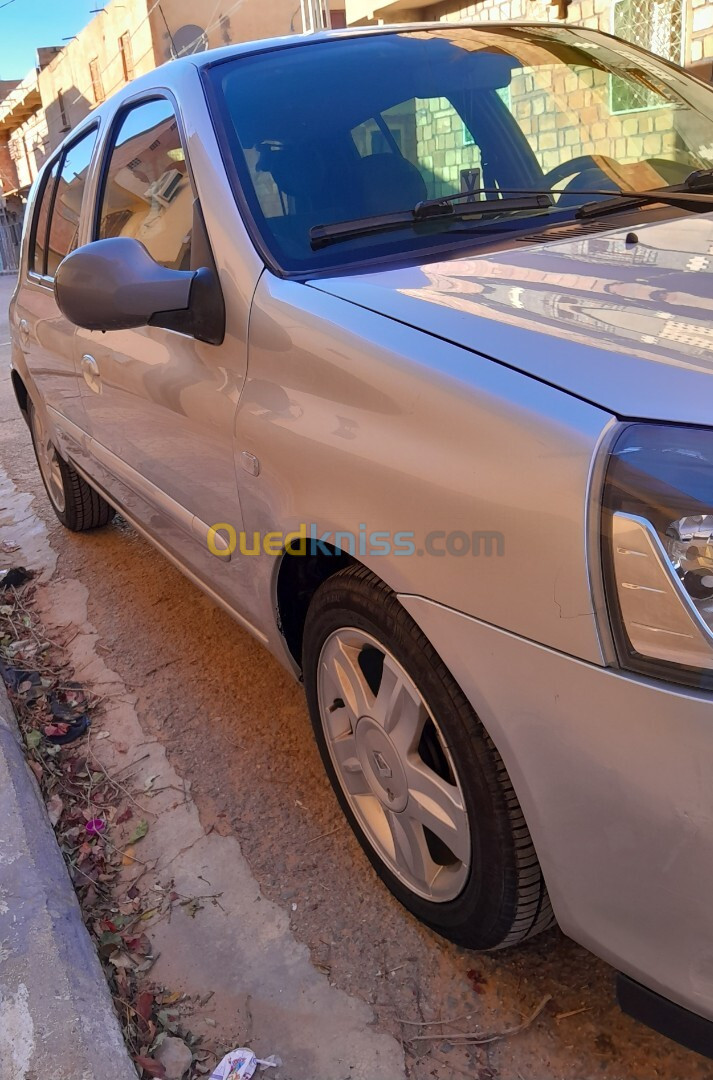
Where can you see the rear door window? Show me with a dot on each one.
(67, 205)
(147, 192)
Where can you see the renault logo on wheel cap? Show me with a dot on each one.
(382, 765)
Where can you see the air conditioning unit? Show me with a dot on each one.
(165, 189)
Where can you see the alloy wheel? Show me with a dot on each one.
(393, 765)
(48, 462)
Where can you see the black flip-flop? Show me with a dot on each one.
(75, 730)
(69, 703)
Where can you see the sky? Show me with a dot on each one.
(26, 25)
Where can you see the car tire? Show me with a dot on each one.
(77, 505)
(424, 747)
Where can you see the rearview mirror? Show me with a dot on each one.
(114, 284)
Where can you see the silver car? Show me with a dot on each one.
(398, 343)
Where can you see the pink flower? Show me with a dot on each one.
(95, 826)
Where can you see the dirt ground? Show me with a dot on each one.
(235, 725)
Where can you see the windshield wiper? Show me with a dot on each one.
(700, 180)
(695, 193)
(428, 211)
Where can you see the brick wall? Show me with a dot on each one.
(594, 13)
(701, 31)
(582, 122)
(564, 113)
(444, 147)
(697, 18)
(598, 14)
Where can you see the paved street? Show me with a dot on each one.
(220, 712)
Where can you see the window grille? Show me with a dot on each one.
(655, 25)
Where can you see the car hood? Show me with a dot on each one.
(628, 326)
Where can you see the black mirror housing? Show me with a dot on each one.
(114, 284)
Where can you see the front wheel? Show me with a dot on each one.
(417, 776)
(77, 505)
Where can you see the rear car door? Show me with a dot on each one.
(160, 405)
(45, 336)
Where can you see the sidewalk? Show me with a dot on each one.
(56, 1015)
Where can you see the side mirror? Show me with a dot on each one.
(114, 284)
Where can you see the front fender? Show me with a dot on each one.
(363, 425)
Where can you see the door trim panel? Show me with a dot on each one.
(192, 577)
(190, 523)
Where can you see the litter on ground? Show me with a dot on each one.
(240, 1064)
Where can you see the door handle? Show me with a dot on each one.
(90, 371)
(24, 328)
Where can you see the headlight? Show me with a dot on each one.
(657, 525)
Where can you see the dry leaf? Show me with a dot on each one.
(139, 832)
(55, 806)
(150, 1066)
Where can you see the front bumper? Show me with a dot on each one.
(615, 777)
(684, 1027)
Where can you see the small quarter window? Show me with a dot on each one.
(42, 213)
(67, 206)
(147, 192)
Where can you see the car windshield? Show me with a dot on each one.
(352, 128)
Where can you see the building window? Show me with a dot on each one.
(95, 74)
(62, 111)
(655, 25)
(127, 59)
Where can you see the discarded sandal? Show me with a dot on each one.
(63, 732)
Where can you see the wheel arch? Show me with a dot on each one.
(21, 393)
(299, 575)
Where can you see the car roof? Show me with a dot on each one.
(212, 56)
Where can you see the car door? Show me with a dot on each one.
(160, 405)
(46, 337)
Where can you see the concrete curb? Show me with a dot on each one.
(56, 1015)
